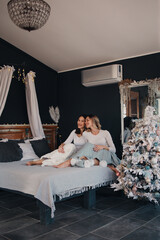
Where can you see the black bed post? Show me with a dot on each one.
(44, 213)
(89, 199)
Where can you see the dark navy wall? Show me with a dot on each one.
(46, 86)
(104, 101)
(69, 94)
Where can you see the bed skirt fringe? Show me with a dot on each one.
(82, 190)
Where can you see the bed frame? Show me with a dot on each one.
(23, 132)
(89, 202)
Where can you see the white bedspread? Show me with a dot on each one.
(46, 182)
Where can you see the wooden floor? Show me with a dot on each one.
(115, 217)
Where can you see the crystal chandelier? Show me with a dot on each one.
(29, 14)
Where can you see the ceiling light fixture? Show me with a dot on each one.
(29, 14)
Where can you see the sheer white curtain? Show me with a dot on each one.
(6, 73)
(32, 106)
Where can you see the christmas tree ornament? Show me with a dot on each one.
(148, 147)
(158, 131)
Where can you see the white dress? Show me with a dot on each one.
(55, 157)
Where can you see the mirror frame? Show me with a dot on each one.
(125, 87)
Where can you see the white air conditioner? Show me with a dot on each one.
(102, 75)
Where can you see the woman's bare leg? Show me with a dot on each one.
(65, 164)
(38, 162)
(114, 169)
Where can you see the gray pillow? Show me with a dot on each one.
(10, 151)
(16, 140)
(40, 147)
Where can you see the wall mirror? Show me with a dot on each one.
(135, 96)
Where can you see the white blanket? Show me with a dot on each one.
(44, 183)
(55, 157)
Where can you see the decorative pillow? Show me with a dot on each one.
(4, 140)
(40, 147)
(16, 140)
(10, 151)
(28, 152)
(11, 140)
(33, 139)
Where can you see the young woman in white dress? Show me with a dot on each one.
(72, 144)
(99, 146)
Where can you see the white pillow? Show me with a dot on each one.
(4, 140)
(28, 152)
(33, 139)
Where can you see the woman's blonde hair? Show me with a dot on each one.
(95, 121)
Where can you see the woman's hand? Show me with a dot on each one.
(99, 147)
(61, 148)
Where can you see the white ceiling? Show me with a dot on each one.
(82, 33)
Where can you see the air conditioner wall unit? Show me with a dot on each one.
(102, 75)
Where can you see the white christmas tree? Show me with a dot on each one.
(140, 166)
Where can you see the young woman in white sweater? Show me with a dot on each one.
(99, 147)
(72, 144)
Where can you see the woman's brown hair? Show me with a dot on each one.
(95, 121)
(78, 131)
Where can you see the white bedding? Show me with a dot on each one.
(44, 183)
